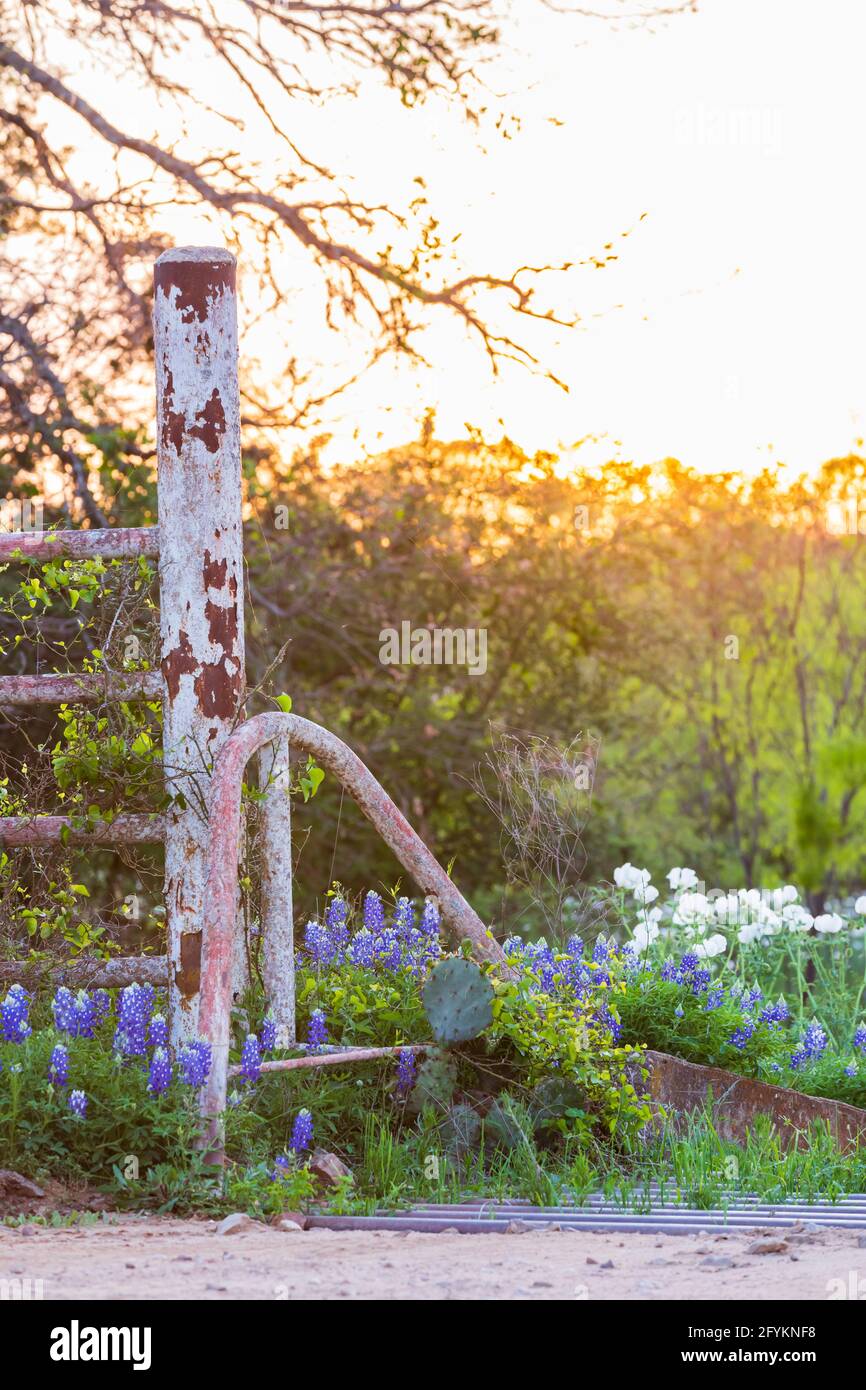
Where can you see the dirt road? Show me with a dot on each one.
(164, 1258)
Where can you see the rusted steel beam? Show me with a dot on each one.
(49, 830)
(117, 543)
(275, 878)
(106, 974)
(200, 575)
(80, 688)
(222, 866)
(351, 1055)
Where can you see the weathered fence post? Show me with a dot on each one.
(200, 575)
(275, 866)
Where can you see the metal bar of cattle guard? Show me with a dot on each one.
(200, 575)
(222, 868)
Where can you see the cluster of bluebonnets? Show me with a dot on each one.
(406, 939)
(140, 1032)
(554, 971)
(403, 943)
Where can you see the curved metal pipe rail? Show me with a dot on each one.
(222, 867)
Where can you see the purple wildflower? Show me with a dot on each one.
(336, 923)
(251, 1059)
(317, 1028)
(58, 1066)
(374, 913)
(361, 948)
(78, 1104)
(159, 1078)
(860, 1037)
(741, 1037)
(268, 1032)
(405, 1071)
(194, 1060)
(157, 1033)
(302, 1131)
(14, 1012)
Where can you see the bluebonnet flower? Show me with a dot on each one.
(134, 1007)
(715, 998)
(64, 1010)
(85, 1014)
(514, 947)
(604, 1016)
(814, 1040)
(860, 1037)
(336, 922)
(679, 1011)
(361, 948)
(699, 981)
(740, 1038)
(251, 1059)
(302, 1131)
(775, 1014)
(268, 1032)
(157, 1033)
(281, 1169)
(58, 1066)
(374, 913)
(405, 1071)
(14, 1012)
(752, 997)
(404, 919)
(159, 1078)
(194, 1059)
(317, 1028)
(319, 944)
(78, 1104)
(430, 921)
(601, 951)
(102, 1004)
(689, 962)
(671, 972)
(851, 1069)
(388, 950)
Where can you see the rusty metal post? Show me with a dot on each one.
(200, 575)
(275, 869)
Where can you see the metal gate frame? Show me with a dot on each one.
(287, 730)
(201, 683)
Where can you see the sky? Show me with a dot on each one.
(727, 143)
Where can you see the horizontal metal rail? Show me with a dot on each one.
(106, 974)
(117, 543)
(78, 688)
(49, 830)
(337, 1057)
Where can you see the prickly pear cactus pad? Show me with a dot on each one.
(457, 1000)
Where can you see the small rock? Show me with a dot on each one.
(27, 1230)
(660, 1260)
(289, 1221)
(234, 1224)
(718, 1262)
(768, 1245)
(591, 1261)
(608, 1264)
(328, 1168)
(12, 1184)
(646, 1286)
(861, 1242)
(518, 1228)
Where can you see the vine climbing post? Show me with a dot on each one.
(200, 577)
